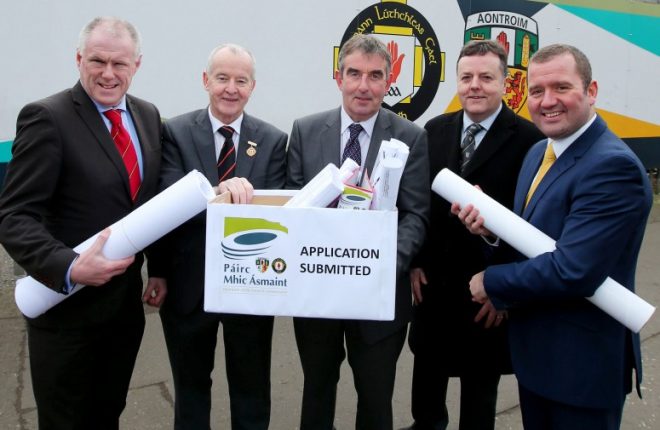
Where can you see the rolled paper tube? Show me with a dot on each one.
(611, 297)
(320, 191)
(130, 235)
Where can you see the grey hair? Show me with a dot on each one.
(115, 26)
(234, 49)
(367, 44)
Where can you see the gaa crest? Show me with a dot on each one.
(518, 34)
(417, 62)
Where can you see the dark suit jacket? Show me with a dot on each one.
(65, 182)
(315, 142)
(188, 144)
(594, 201)
(451, 255)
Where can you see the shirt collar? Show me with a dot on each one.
(561, 145)
(216, 123)
(486, 123)
(367, 125)
(102, 108)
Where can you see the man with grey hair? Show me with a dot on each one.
(356, 130)
(83, 159)
(237, 152)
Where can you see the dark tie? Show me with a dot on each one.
(227, 158)
(468, 144)
(352, 149)
(126, 149)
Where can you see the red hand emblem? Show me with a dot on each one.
(397, 59)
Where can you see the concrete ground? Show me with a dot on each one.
(150, 400)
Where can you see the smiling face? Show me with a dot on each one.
(363, 83)
(480, 85)
(107, 64)
(229, 82)
(558, 102)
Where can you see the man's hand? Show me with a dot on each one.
(477, 288)
(493, 317)
(155, 293)
(469, 216)
(93, 268)
(240, 188)
(417, 279)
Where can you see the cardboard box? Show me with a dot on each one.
(263, 259)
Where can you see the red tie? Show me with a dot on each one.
(126, 150)
(227, 158)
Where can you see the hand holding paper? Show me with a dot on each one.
(611, 297)
(130, 235)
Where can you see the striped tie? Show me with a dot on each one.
(227, 158)
(468, 145)
(126, 149)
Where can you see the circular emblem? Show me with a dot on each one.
(417, 61)
(251, 151)
(278, 265)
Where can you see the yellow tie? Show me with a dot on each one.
(548, 158)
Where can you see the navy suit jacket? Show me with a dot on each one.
(594, 201)
(188, 144)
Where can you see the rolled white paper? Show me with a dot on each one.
(130, 235)
(320, 191)
(611, 297)
(348, 170)
(387, 177)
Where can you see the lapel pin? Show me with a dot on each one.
(252, 150)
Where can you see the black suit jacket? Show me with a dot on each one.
(188, 144)
(315, 142)
(451, 255)
(66, 181)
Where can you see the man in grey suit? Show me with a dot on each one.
(373, 347)
(238, 152)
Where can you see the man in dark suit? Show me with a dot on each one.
(257, 154)
(373, 347)
(449, 331)
(67, 181)
(573, 362)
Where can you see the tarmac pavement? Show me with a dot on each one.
(150, 399)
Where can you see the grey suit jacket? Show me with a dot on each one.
(315, 142)
(188, 144)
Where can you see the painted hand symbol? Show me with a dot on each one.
(397, 59)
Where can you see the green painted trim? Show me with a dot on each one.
(5, 151)
(626, 6)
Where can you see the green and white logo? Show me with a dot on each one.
(249, 237)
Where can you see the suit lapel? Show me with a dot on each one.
(381, 132)
(148, 151)
(329, 141)
(92, 119)
(566, 160)
(204, 143)
(453, 131)
(244, 162)
(499, 132)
